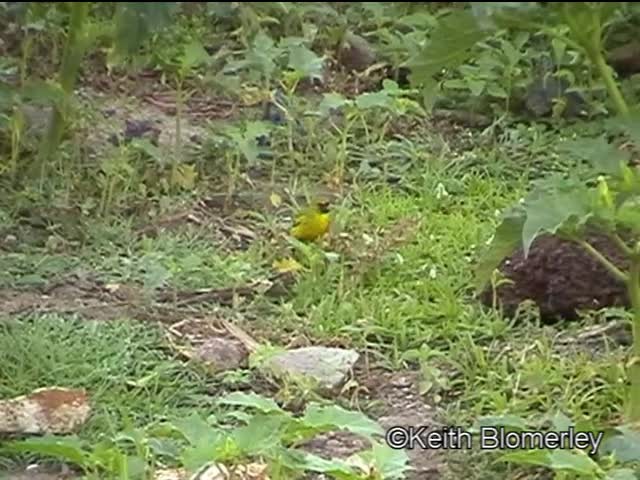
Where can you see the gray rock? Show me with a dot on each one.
(329, 367)
(221, 354)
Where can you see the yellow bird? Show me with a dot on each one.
(312, 223)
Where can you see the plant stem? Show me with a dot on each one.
(610, 82)
(633, 286)
(73, 53)
(621, 244)
(615, 271)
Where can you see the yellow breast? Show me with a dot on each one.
(310, 227)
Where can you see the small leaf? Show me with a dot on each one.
(373, 100)
(194, 56)
(331, 101)
(306, 62)
(287, 265)
(497, 91)
(476, 87)
(251, 400)
(184, 176)
(333, 416)
(275, 199)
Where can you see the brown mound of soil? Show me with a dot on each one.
(561, 278)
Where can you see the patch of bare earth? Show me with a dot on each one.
(399, 404)
(92, 299)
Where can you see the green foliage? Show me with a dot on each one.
(269, 433)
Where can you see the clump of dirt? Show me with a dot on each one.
(560, 278)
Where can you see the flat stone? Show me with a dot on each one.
(221, 354)
(51, 410)
(329, 367)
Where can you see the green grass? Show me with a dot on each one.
(408, 306)
(126, 368)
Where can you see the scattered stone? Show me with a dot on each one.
(329, 367)
(45, 411)
(10, 241)
(356, 53)
(560, 278)
(252, 471)
(221, 354)
(138, 129)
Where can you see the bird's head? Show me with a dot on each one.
(323, 206)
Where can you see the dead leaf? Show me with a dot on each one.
(276, 200)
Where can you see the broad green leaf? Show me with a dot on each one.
(306, 62)
(573, 461)
(205, 450)
(551, 213)
(336, 468)
(630, 125)
(333, 416)
(331, 101)
(195, 429)
(251, 400)
(622, 474)
(561, 422)
(563, 460)
(68, 449)
(263, 54)
(257, 129)
(390, 463)
(261, 434)
(603, 156)
(506, 240)
(165, 447)
(379, 99)
(137, 21)
(194, 56)
(625, 446)
(449, 46)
